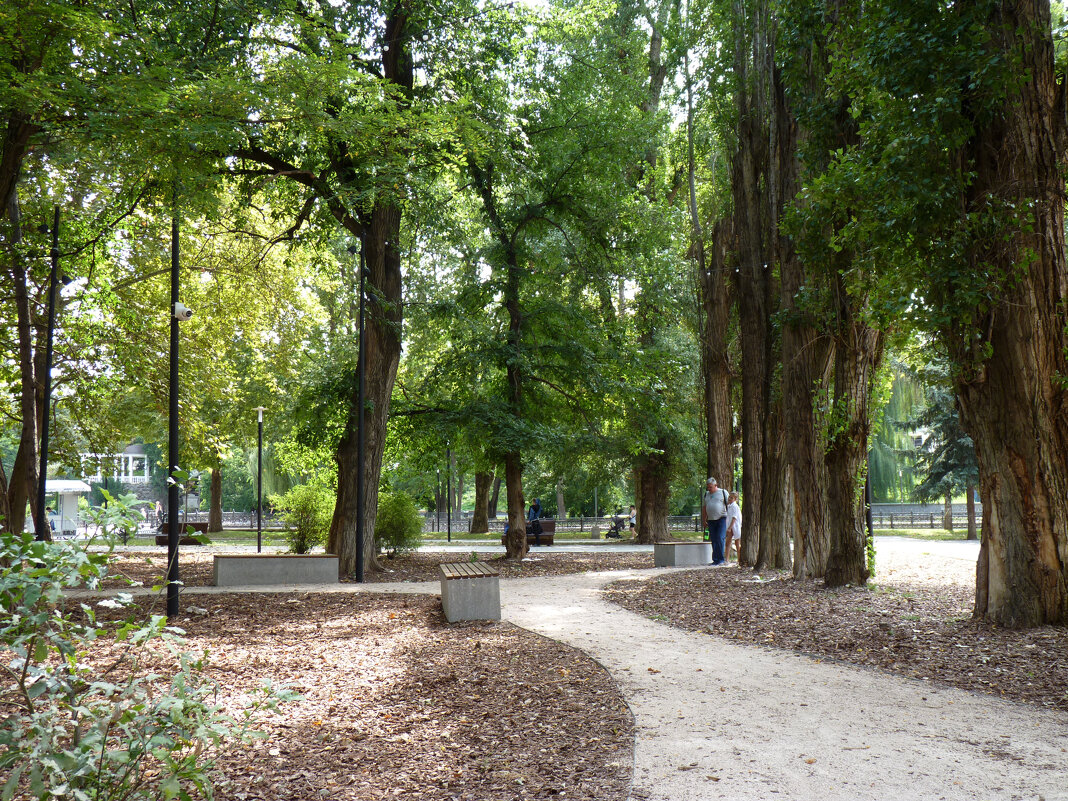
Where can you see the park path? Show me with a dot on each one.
(717, 720)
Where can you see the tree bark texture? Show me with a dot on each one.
(561, 506)
(215, 518)
(652, 480)
(1012, 393)
(515, 543)
(22, 487)
(382, 328)
(972, 533)
(806, 361)
(479, 518)
(858, 351)
(749, 176)
(714, 285)
(494, 496)
(773, 549)
(380, 228)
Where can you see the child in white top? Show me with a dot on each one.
(734, 527)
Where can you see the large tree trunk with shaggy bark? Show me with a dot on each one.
(858, 351)
(1012, 393)
(652, 479)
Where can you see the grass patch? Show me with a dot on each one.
(923, 533)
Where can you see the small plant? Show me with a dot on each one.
(307, 510)
(474, 556)
(76, 728)
(117, 518)
(399, 526)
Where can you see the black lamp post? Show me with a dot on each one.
(42, 531)
(259, 479)
(178, 312)
(448, 492)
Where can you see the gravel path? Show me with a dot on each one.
(718, 720)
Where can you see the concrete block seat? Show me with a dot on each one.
(470, 591)
(682, 554)
(238, 570)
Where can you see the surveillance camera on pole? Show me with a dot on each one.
(182, 312)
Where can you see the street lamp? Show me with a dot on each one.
(179, 311)
(259, 479)
(448, 492)
(42, 531)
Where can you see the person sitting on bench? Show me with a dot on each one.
(534, 524)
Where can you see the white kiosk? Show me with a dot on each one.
(65, 516)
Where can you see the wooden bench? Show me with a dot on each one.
(470, 591)
(548, 532)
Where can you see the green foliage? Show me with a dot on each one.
(399, 526)
(118, 519)
(946, 458)
(307, 510)
(79, 730)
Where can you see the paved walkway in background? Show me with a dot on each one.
(718, 720)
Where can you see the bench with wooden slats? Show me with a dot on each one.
(462, 570)
(470, 591)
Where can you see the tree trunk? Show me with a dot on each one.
(561, 507)
(1012, 395)
(23, 481)
(5, 508)
(715, 360)
(382, 328)
(749, 176)
(947, 513)
(652, 477)
(382, 247)
(215, 518)
(492, 510)
(479, 518)
(515, 544)
(774, 544)
(858, 350)
(972, 534)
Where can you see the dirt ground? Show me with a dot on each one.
(398, 704)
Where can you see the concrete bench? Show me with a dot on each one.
(238, 570)
(682, 554)
(470, 591)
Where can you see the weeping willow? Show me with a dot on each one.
(892, 453)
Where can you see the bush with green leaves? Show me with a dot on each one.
(76, 727)
(307, 510)
(399, 526)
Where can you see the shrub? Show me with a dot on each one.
(399, 526)
(307, 510)
(74, 729)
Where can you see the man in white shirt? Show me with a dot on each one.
(714, 516)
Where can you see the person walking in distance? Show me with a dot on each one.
(714, 517)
